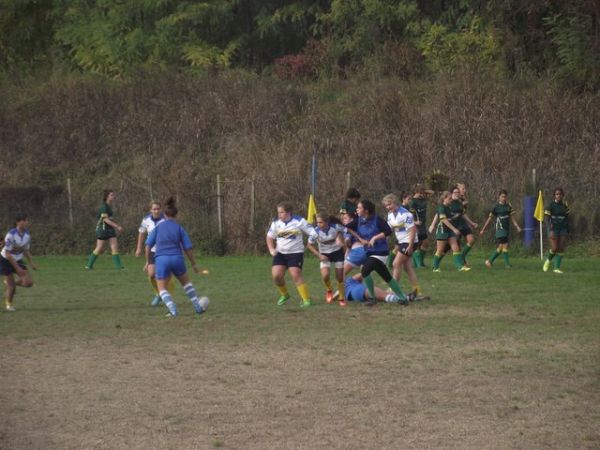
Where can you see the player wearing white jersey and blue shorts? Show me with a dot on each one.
(149, 223)
(330, 252)
(286, 245)
(170, 242)
(16, 247)
(402, 222)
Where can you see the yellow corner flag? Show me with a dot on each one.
(539, 208)
(312, 210)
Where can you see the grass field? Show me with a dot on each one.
(497, 359)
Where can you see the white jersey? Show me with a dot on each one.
(289, 234)
(401, 221)
(148, 224)
(327, 238)
(16, 244)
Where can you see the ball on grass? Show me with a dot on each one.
(204, 301)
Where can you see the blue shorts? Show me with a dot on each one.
(357, 256)
(354, 290)
(169, 264)
(288, 260)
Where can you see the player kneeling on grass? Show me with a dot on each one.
(16, 246)
(330, 252)
(284, 241)
(170, 241)
(504, 214)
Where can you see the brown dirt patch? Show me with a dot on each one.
(97, 395)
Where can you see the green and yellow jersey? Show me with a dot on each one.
(558, 217)
(418, 207)
(103, 230)
(502, 213)
(442, 232)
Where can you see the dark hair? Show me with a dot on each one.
(368, 206)
(106, 193)
(559, 189)
(170, 208)
(352, 193)
(20, 216)
(286, 206)
(329, 218)
(404, 194)
(503, 191)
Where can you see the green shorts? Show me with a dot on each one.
(105, 235)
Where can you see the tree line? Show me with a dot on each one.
(302, 38)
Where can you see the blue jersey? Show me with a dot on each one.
(169, 239)
(367, 228)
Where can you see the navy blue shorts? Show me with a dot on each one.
(288, 260)
(403, 248)
(169, 264)
(6, 268)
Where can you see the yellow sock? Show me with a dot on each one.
(328, 285)
(342, 290)
(417, 289)
(171, 286)
(303, 291)
(152, 281)
(283, 290)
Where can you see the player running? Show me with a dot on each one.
(16, 246)
(557, 220)
(106, 230)
(418, 208)
(149, 223)
(330, 252)
(285, 243)
(170, 241)
(401, 222)
(504, 214)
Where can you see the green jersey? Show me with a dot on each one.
(457, 210)
(442, 232)
(418, 208)
(103, 230)
(502, 213)
(558, 214)
(348, 207)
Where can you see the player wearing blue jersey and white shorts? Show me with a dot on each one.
(171, 241)
(149, 223)
(402, 222)
(16, 247)
(286, 245)
(330, 252)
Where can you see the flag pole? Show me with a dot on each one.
(541, 243)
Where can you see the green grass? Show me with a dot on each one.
(524, 303)
(491, 354)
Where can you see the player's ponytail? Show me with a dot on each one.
(170, 208)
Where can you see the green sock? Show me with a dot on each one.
(390, 260)
(466, 250)
(415, 258)
(117, 260)
(370, 286)
(421, 258)
(494, 256)
(437, 259)
(558, 260)
(91, 260)
(458, 259)
(550, 255)
(396, 288)
(505, 256)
